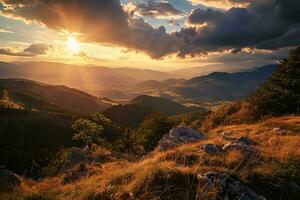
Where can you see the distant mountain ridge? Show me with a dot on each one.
(214, 87)
(40, 96)
(95, 80)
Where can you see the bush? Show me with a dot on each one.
(151, 131)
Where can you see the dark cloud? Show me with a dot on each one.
(155, 9)
(262, 24)
(200, 16)
(31, 51)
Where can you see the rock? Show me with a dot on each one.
(211, 149)
(178, 136)
(278, 131)
(8, 181)
(71, 157)
(226, 133)
(227, 188)
(237, 145)
(242, 139)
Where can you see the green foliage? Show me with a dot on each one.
(281, 93)
(88, 132)
(111, 131)
(30, 137)
(146, 137)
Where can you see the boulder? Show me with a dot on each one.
(211, 149)
(8, 181)
(227, 188)
(178, 136)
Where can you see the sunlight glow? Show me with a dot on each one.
(73, 45)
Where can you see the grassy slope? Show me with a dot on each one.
(268, 172)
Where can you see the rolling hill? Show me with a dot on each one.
(129, 115)
(214, 87)
(162, 105)
(21, 93)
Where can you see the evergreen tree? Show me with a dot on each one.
(281, 93)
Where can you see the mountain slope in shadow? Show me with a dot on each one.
(39, 96)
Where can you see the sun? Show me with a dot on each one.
(73, 45)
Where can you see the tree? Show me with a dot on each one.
(281, 93)
(88, 132)
(147, 136)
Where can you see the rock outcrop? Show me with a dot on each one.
(226, 187)
(242, 143)
(8, 181)
(178, 136)
(211, 148)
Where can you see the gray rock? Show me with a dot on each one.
(178, 136)
(8, 181)
(237, 145)
(242, 139)
(211, 149)
(227, 187)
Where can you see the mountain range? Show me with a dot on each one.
(214, 87)
(96, 80)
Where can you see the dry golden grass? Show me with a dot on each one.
(155, 175)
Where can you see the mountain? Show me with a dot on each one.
(162, 105)
(220, 86)
(21, 93)
(96, 80)
(214, 87)
(129, 115)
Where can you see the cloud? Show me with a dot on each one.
(201, 16)
(154, 9)
(102, 21)
(261, 24)
(31, 51)
(5, 30)
(224, 4)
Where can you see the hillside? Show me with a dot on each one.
(163, 105)
(43, 97)
(270, 169)
(214, 87)
(128, 115)
(220, 86)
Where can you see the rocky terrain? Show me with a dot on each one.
(247, 161)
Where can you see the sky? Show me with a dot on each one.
(155, 34)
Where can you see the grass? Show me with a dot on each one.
(270, 171)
